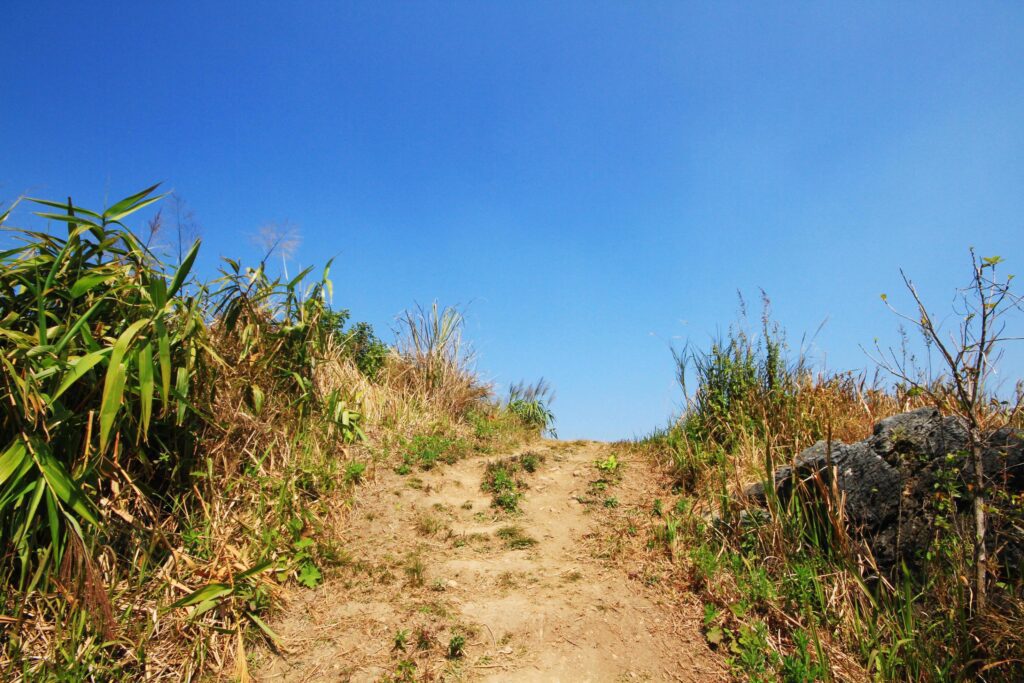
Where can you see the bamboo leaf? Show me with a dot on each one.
(64, 207)
(73, 330)
(183, 270)
(164, 356)
(53, 519)
(276, 639)
(209, 592)
(158, 291)
(131, 204)
(61, 483)
(87, 282)
(113, 386)
(181, 390)
(113, 392)
(145, 389)
(64, 218)
(252, 571)
(12, 460)
(77, 369)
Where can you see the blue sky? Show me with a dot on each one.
(595, 180)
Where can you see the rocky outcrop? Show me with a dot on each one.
(888, 481)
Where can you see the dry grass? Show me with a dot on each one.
(773, 577)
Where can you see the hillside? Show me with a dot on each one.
(223, 477)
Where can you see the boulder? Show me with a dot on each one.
(889, 480)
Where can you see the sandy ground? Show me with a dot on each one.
(423, 558)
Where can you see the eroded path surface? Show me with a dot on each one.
(431, 559)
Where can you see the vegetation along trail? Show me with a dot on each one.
(529, 567)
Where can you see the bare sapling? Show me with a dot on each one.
(969, 354)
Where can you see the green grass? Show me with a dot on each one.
(515, 538)
(503, 479)
(425, 451)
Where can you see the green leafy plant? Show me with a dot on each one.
(457, 647)
(609, 465)
(515, 538)
(354, 472)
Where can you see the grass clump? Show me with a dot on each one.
(503, 479)
(515, 538)
(425, 451)
(530, 405)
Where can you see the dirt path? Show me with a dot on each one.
(429, 561)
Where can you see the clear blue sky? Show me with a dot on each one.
(597, 180)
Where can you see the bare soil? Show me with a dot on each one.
(424, 558)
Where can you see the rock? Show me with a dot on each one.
(889, 480)
(920, 435)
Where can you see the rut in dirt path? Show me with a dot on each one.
(540, 594)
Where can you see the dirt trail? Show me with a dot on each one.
(425, 559)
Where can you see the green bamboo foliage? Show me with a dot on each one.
(114, 364)
(93, 329)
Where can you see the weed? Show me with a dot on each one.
(415, 570)
(610, 465)
(428, 525)
(502, 480)
(426, 450)
(530, 405)
(456, 647)
(424, 639)
(515, 538)
(354, 472)
(530, 461)
(405, 671)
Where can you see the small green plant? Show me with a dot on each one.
(799, 666)
(456, 647)
(530, 461)
(354, 472)
(515, 538)
(424, 639)
(658, 509)
(611, 502)
(428, 525)
(307, 573)
(415, 570)
(405, 671)
(609, 466)
(400, 640)
(426, 450)
(502, 481)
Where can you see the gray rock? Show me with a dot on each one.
(888, 481)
